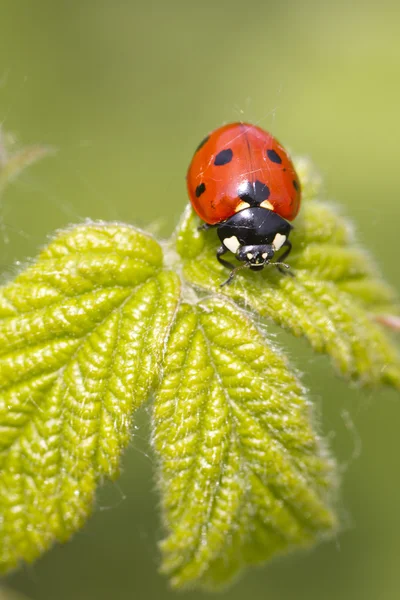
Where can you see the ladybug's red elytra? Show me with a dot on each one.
(242, 181)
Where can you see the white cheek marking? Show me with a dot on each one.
(232, 243)
(264, 255)
(249, 255)
(279, 240)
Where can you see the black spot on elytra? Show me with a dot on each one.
(262, 191)
(295, 185)
(246, 192)
(274, 157)
(200, 190)
(202, 143)
(254, 193)
(223, 157)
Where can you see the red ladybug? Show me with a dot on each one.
(242, 181)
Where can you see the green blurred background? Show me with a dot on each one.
(125, 91)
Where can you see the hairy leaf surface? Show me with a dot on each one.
(81, 340)
(329, 299)
(243, 474)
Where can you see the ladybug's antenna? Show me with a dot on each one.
(233, 273)
(280, 264)
(246, 266)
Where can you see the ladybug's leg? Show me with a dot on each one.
(287, 251)
(221, 250)
(282, 258)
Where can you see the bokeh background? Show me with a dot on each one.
(124, 91)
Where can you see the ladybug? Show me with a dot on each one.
(242, 181)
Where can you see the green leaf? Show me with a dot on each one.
(243, 475)
(92, 328)
(81, 340)
(330, 300)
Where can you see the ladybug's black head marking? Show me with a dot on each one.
(256, 256)
(255, 226)
(254, 235)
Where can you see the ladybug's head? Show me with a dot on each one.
(253, 235)
(256, 256)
